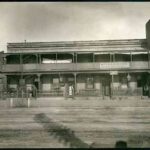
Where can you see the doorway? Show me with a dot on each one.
(106, 87)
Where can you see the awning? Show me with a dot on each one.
(101, 53)
(84, 52)
(135, 53)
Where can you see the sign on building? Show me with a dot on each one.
(113, 72)
(114, 65)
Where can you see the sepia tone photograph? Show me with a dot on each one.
(74, 74)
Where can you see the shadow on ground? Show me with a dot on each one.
(60, 132)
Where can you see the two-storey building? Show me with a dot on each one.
(93, 68)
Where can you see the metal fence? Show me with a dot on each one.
(23, 93)
(89, 92)
(50, 93)
(127, 92)
(114, 92)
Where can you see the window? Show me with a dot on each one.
(56, 83)
(122, 56)
(90, 83)
(139, 56)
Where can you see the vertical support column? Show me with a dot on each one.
(148, 60)
(76, 57)
(111, 90)
(21, 60)
(36, 58)
(4, 60)
(39, 82)
(40, 59)
(93, 57)
(5, 81)
(21, 65)
(113, 57)
(11, 102)
(29, 102)
(130, 59)
(149, 85)
(72, 57)
(5, 86)
(56, 58)
(75, 83)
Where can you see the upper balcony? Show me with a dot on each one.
(75, 67)
(77, 62)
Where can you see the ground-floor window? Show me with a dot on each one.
(55, 83)
(90, 83)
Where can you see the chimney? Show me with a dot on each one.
(148, 33)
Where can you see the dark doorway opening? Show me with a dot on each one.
(106, 87)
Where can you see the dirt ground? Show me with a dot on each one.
(97, 121)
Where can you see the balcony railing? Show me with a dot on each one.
(75, 66)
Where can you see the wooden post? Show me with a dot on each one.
(76, 57)
(110, 56)
(73, 57)
(65, 91)
(39, 82)
(21, 65)
(11, 102)
(112, 81)
(40, 59)
(21, 60)
(113, 57)
(4, 60)
(93, 57)
(22, 93)
(36, 58)
(148, 60)
(56, 58)
(75, 83)
(130, 59)
(29, 102)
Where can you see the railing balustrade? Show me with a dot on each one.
(75, 66)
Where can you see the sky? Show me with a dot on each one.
(71, 21)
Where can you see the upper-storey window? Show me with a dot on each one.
(139, 56)
(48, 58)
(84, 57)
(29, 59)
(64, 58)
(57, 58)
(102, 57)
(13, 59)
(122, 56)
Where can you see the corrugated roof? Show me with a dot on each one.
(77, 45)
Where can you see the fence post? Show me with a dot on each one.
(28, 102)
(11, 102)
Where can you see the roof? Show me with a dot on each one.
(72, 46)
